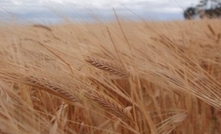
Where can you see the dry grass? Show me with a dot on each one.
(111, 78)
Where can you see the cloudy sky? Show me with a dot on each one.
(50, 11)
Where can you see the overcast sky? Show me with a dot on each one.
(53, 10)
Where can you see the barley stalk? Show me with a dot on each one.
(54, 89)
(42, 26)
(108, 66)
(110, 105)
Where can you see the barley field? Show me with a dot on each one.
(120, 77)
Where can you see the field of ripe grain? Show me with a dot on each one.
(111, 78)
